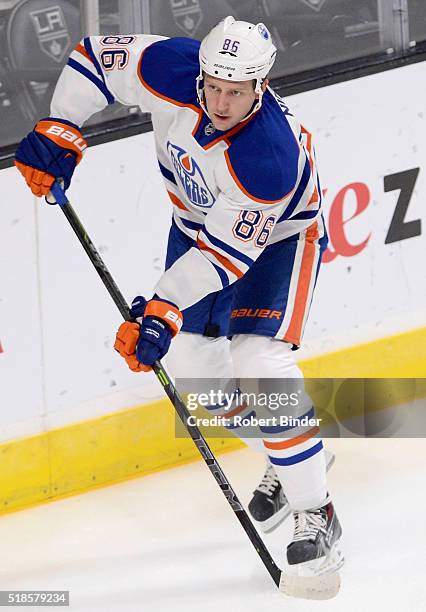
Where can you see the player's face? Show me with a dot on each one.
(228, 101)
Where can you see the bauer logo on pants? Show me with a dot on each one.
(261, 313)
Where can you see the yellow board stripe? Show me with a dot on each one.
(142, 440)
(400, 356)
(107, 449)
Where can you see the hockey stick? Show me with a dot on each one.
(168, 387)
(315, 587)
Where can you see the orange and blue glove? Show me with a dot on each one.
(149, 339)
(51, 151)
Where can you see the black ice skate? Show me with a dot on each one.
(316, 532)
(314, 556)
(269, 506)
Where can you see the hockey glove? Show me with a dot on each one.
(51, 151)
(143, 343)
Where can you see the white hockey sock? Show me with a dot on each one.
(295, 452)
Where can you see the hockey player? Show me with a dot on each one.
(246, 239)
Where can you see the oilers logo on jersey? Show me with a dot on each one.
(191, 177)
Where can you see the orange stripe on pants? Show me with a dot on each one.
(315, 196)
(294, 330)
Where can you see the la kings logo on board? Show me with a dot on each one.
(187, 15)
(191, 177)
(52, 32)
(314, 4)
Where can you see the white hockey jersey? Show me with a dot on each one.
(232, 192)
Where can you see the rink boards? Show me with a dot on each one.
(68, 420)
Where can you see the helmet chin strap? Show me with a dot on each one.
(258, 90)
(200, 93)
(201, 99)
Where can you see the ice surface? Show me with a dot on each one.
(170, 542)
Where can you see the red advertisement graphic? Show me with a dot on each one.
(339, 243)
(399, 228)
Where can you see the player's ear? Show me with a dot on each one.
(265, 85)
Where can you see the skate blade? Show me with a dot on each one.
(316, 579)
(274, 521)
(325, 586)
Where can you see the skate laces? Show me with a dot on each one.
(269, 482)
(308, 523)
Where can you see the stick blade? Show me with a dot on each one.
(325, 586)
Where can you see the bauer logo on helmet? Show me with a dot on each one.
(224, 67)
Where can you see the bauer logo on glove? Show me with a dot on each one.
(51, 151)
(144, 342)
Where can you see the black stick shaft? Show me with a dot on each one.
(170, 389)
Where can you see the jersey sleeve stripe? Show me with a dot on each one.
(315, 199)
(228, 249)
(308, 214)
(213, 249)
(222, 275)
(80, 49)
(192, 225)
(168, 174)
(220, 258)
(244, 190)
(176, 201)
(72, 63)
(89, 49)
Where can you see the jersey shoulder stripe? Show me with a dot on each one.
(89, 50)
(168, 69)
(263, 158)
(84, 61)
(89, 75)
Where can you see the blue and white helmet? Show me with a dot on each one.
(236, 51)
